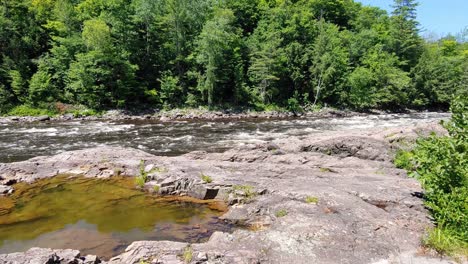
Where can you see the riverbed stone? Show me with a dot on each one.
(42, 255)
(5, 189)
(366, 209)
(43, 118)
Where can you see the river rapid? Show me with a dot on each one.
(20, 141)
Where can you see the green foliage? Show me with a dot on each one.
(403, 160)
(206, 178)
(262, 54)
(218, 50)
(171, 91)
(446, 241)
(247, 191)
(156, 188)
(27, 110)
(441, 164)
(99, 80)
(294, 106)
(281, 213)
(141, 179)
(188, 254)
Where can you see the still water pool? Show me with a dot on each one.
(100, 217)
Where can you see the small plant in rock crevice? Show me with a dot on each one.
(312, 200)
(188, 254)
(323, 169)
(156, 188)
(141, 179)
(281, 213)
(205, 178)
(247, 191)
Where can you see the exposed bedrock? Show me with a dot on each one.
(324, 198)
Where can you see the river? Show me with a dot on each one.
(21, 141)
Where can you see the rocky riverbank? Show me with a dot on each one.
(182, 114)
(333, 197)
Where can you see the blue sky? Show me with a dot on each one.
(436, 16)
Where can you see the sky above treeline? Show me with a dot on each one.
(439, 17)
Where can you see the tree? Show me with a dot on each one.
(265, 64)
(329, 64)
(100, 77)
(439, 75)
(379, 82)
(405, 40)
(217, 48)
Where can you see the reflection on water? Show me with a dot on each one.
(27, 140)
(98, 217)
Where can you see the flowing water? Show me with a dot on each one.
(21, 141)
(100, 217)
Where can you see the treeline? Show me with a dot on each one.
(175, 53)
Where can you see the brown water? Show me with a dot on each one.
(100, 217)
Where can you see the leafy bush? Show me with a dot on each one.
(441, 164)
(294, 106)
(26, 110)
(403, 160)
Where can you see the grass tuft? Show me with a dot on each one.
(447, 242)
(188, 254)
(312, 200)
(206, 178)
(141, 179)
(281, 213)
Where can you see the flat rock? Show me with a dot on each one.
(366, 209)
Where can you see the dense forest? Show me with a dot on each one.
(131, 54)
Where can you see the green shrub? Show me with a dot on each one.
(26, 110)
(441, 165)
(445, 241)
(294, 106)
(403, 160)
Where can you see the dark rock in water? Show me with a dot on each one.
(43, 118)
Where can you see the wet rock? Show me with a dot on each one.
(43, 118)
(5, 189)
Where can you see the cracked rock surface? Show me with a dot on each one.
(334, 197)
